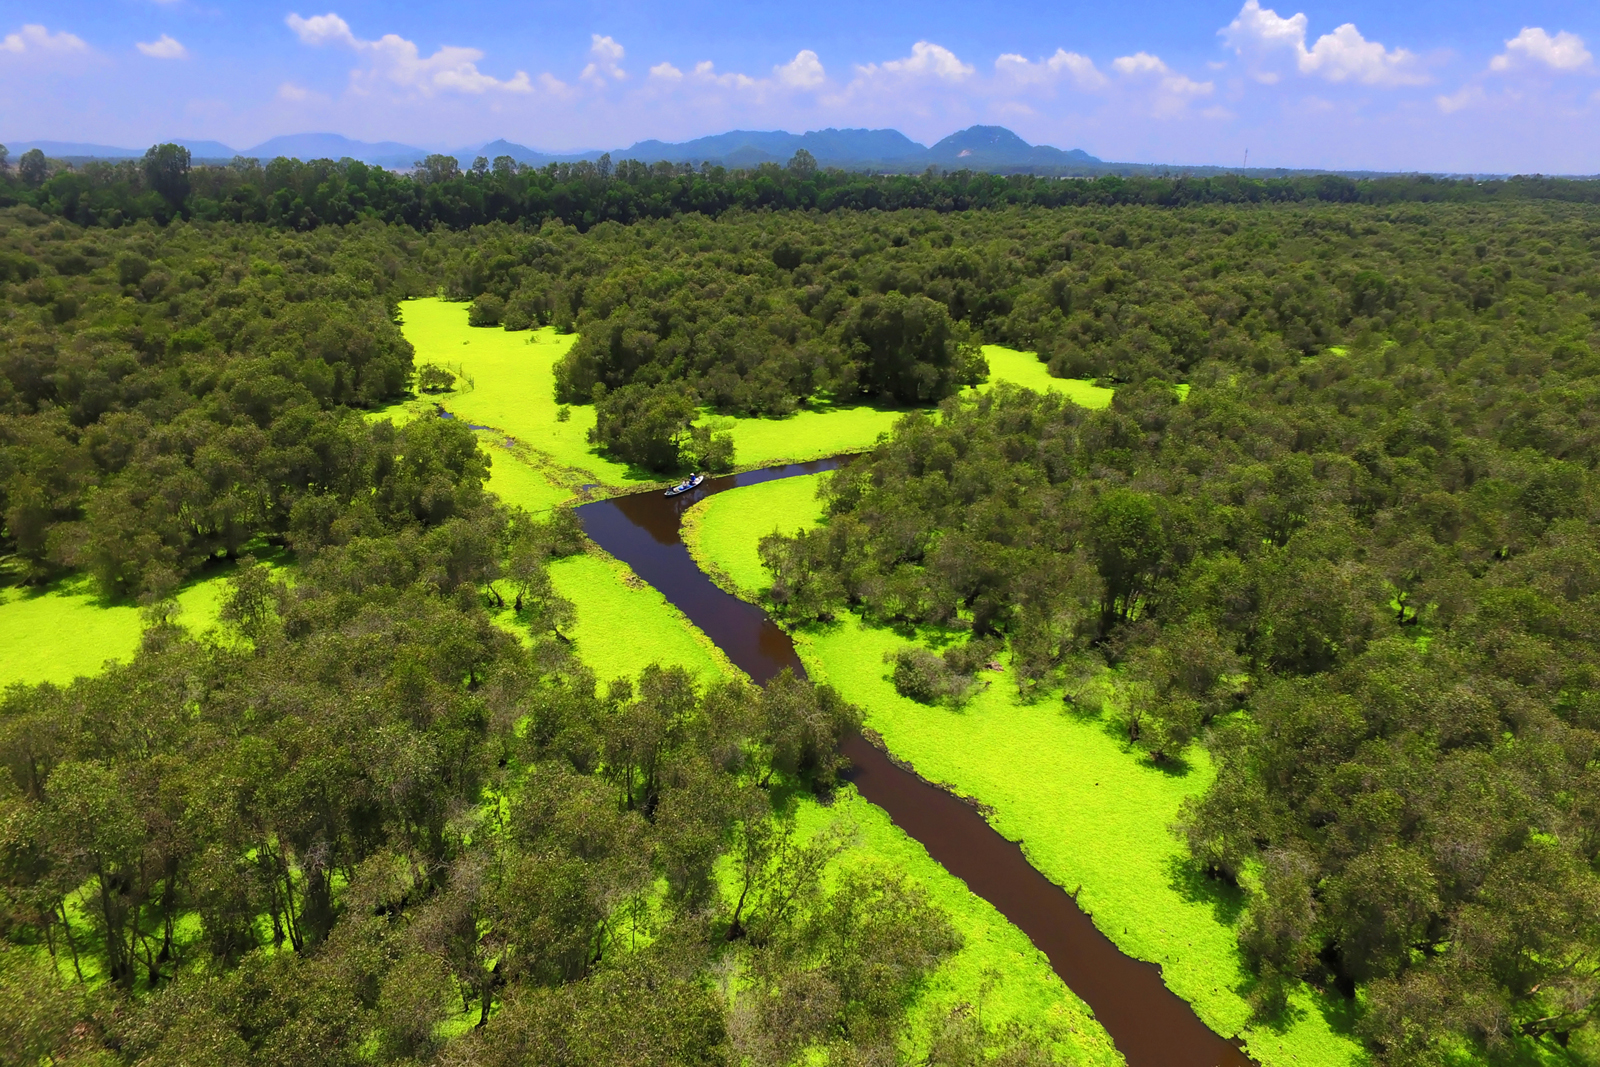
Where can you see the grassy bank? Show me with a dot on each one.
(1090, 811)
(722, 531)
(624, 625)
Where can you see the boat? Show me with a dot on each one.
(691, 482)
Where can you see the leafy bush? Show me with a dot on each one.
(487, 310)
(432, 378)
(645, 426)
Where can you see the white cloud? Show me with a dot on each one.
(1173, 92)
(927, 60)
(293, 93)
(555, 86)
(1139, 63)
(1142, 64)
(605, 61)
(804, 71)
(162, 47)
(397, 62)
(1080, 70)
(36, 39)
(323, 29)
(1468, 96)
(1564, 52)
(1258, 34)
(705, 73)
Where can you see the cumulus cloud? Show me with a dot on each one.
(396, 62)
(162, 47)
(804, 71)
(705, 73)
(323, 29)
(1259, 35)
(293, 93)
(1080, 71)
(801, 74)
(1564, 52)
(1168, 93)
(1173, 84)
(605, 61)
(927, 60)
(35, 39)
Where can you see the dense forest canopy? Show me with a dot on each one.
(1358, 562)
(1365, 574)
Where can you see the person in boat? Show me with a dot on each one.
(687, 484)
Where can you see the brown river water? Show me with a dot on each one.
(1151, 1026)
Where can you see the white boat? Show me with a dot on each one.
(687, 484)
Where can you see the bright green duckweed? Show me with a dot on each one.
(1029, 371)
(509, 385)
(997, 967)
(723, 531)
(1090, 811)
(624, 625)
(67, 630)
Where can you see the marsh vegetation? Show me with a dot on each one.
(1327, 609)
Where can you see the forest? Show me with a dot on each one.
(292, 194)
(1336, 528)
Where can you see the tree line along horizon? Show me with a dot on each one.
(1358, 564)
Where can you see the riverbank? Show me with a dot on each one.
(998, 968)
(1092, 814)
(505, 388)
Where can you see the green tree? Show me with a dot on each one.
(644, 426)
(166, 170)
(32, 168)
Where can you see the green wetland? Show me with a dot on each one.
(1230, 546)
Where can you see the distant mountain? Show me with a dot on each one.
(336, 146)
(992, 148)
(980, 147)
(72, 150)
(521, 153)
(748, 148)
(830, 144)
(206, 149)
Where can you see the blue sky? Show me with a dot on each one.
(1464, 86)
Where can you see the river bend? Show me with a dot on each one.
(1150, 1025)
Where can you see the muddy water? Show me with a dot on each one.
(1150, 1025)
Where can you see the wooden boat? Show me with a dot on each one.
(691, 482)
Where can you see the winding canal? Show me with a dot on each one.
(1151, 1026)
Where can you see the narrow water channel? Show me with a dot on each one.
(1151, 1026)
